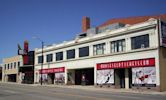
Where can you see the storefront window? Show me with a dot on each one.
(49, 57)
(84, 51)
(70, 54)
(140, 42)
(105, 76)
(118, 46)
(144, 76)
(59, 56)
(59, 77)
(99, 49)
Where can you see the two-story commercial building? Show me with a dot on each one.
(121, 53)
(10, 69)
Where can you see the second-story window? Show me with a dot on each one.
(140, 42)
(84, 51)
(59, 56)
(14, 64)
(70, 54)
(18, 64)
(5, 66)
(99, 49)
(8, 66)
(11, 66)
(118, 46)
(39, 59)
(49, 57)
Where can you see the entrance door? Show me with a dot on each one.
(51, 77)
(90, 76)
(130, 78)
(84, 76)
(12, 78)
(120, 78)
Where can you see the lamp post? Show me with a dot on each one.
(42, 63)
(41, 71)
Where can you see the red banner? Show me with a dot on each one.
(127, 64)
(52, 70)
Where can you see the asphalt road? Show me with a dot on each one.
(25, 92)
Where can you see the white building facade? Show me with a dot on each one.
(128, 57)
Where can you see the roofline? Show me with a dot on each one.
(122, 18)
(82, 41)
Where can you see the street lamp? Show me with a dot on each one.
(42, 43)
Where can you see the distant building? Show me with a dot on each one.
(0, 72)
(10, 70)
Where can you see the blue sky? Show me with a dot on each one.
(55, 21)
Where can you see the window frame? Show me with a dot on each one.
(48, 57)
(5, 66)
(97, 48)
(118, 46)
(11, 65)
(18, 63)
(40, 59)
(14, 65)
(57, 58)
(8, 66)
(139, 42)
(81, 49)
(68, 56)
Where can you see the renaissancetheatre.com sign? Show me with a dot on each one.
(52, 70)
(127, 64)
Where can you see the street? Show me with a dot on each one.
(29, 92)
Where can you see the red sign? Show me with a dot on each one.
(127, 64)
(52, 70)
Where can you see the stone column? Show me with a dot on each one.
(91, 50)
(126, 78)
